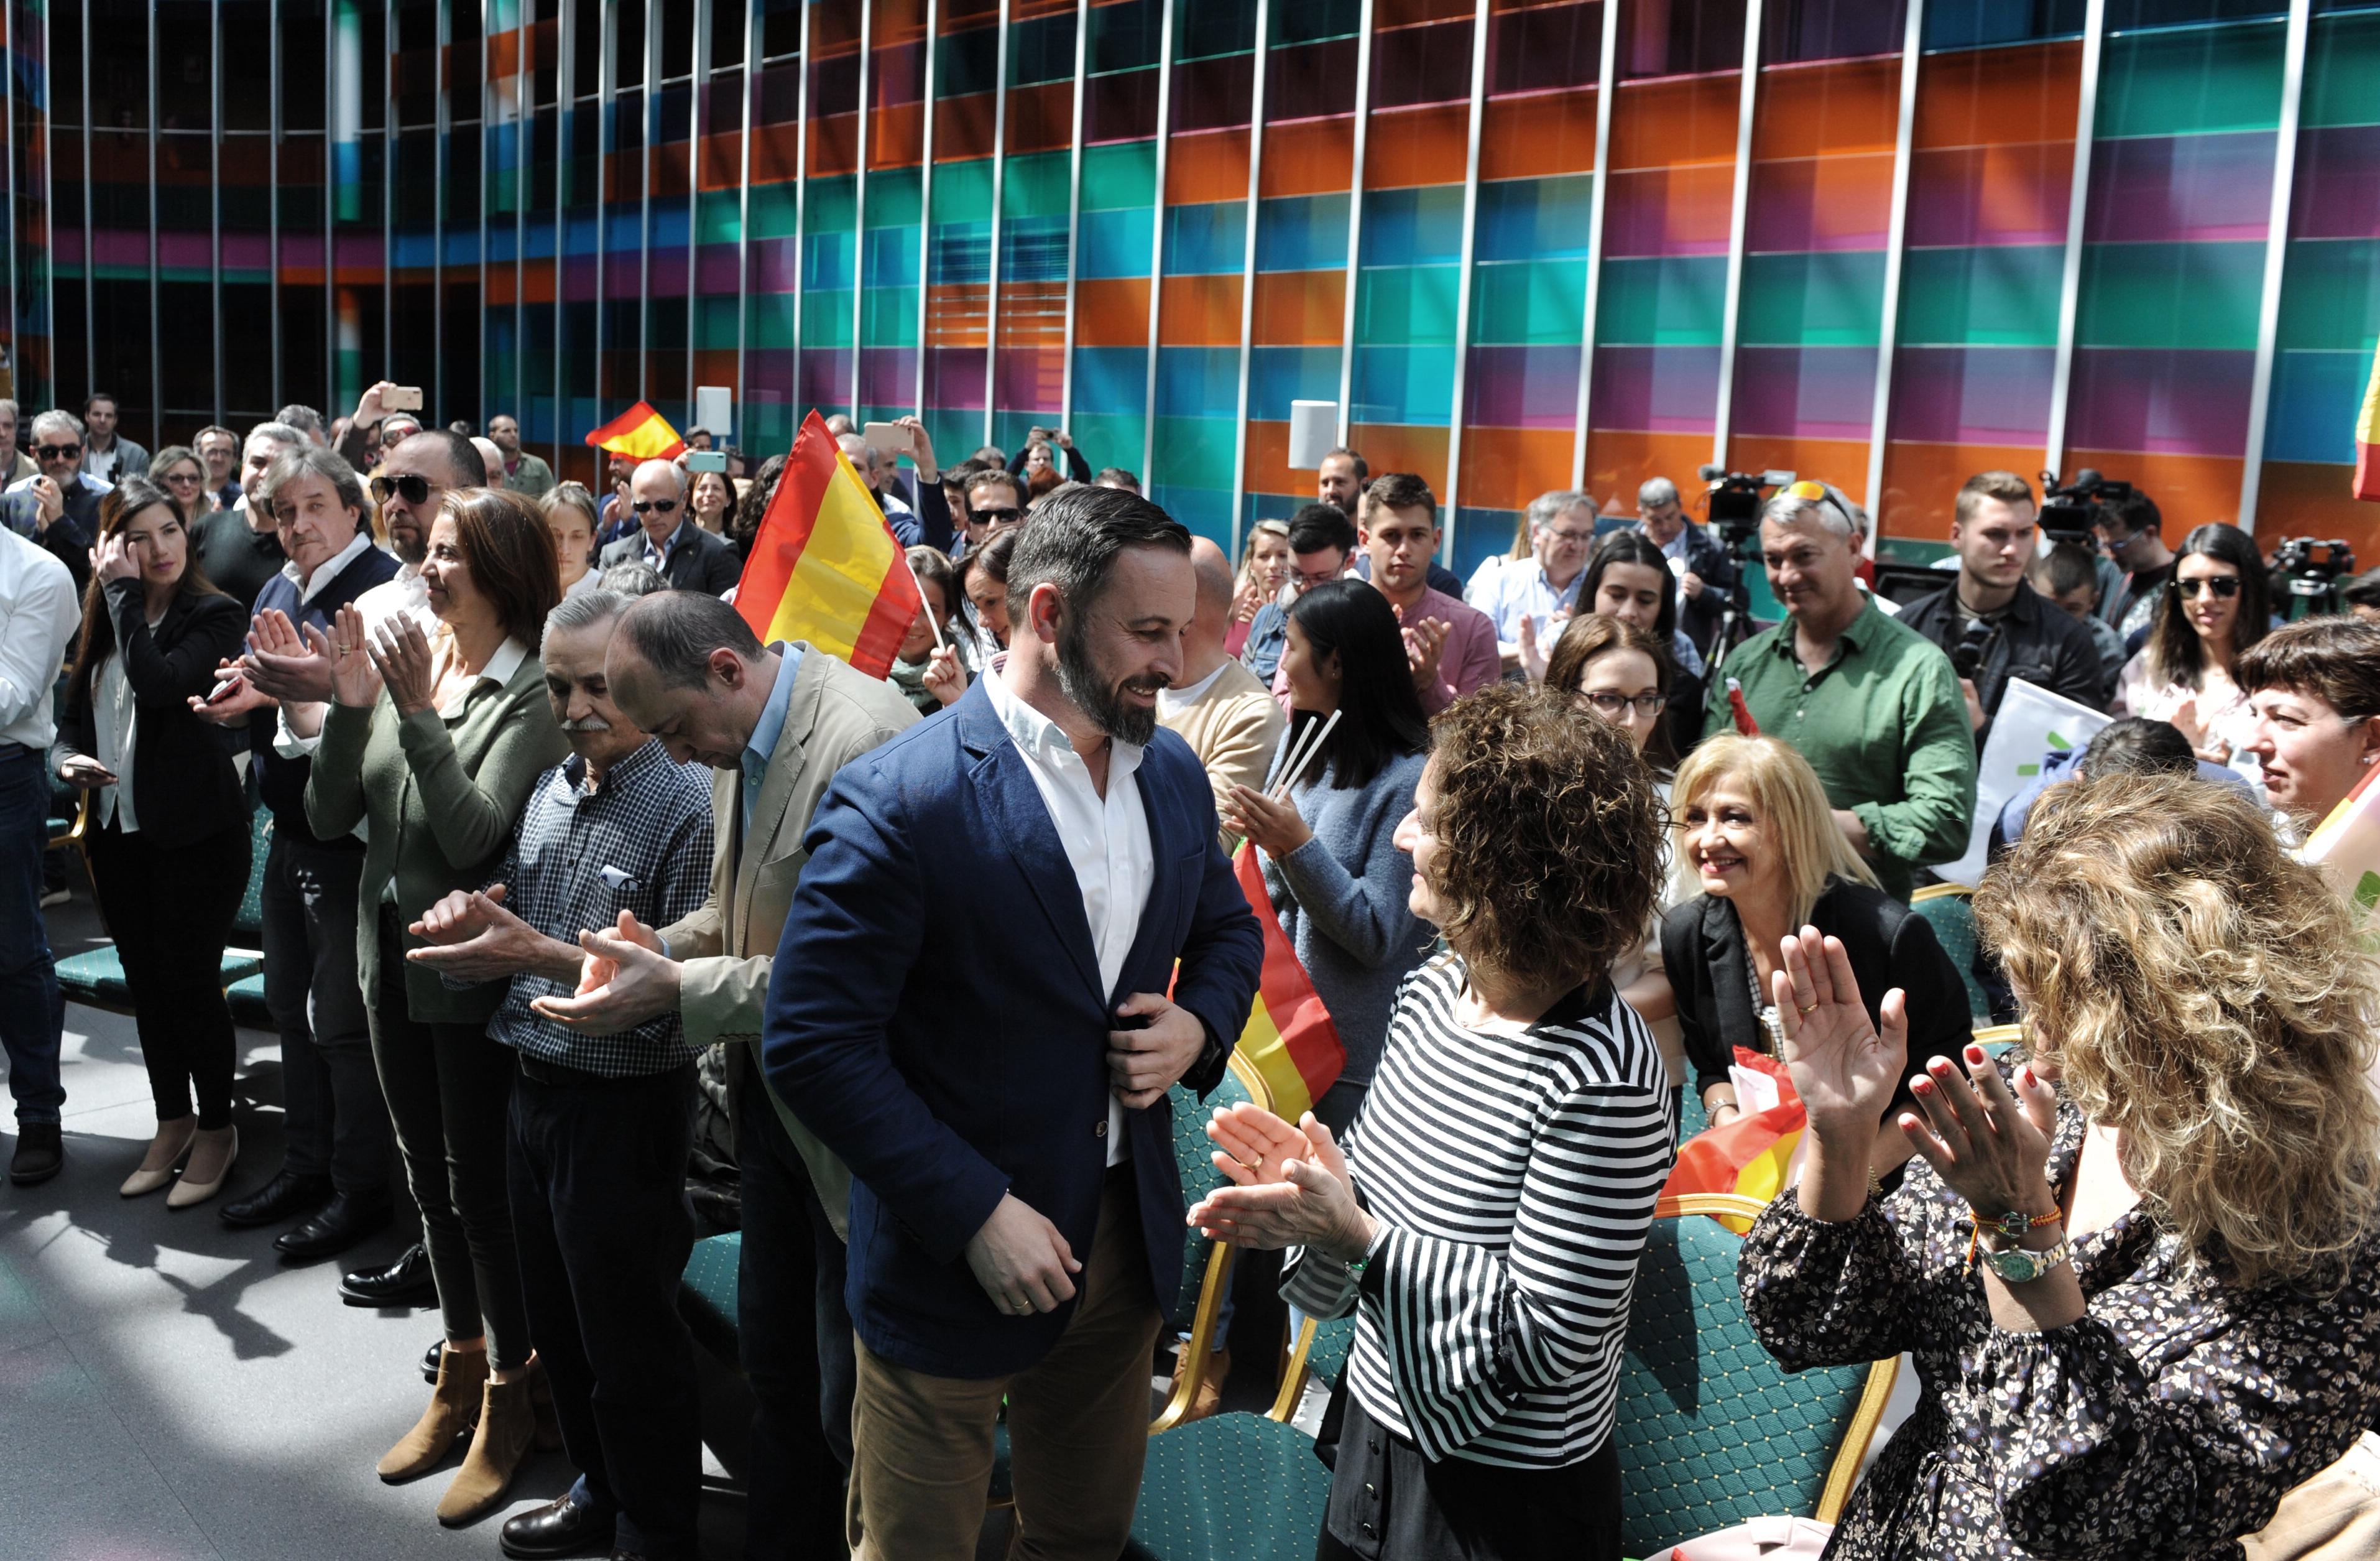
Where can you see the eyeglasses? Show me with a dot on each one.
(1612, 706)
(664, 506)
(2223, 586)
(411, 489)
(58, 452)
(1576, 538)
(995, 517)
(179, 477)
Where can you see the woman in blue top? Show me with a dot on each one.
(1333, 869)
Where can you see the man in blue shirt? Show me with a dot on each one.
(1321, 540)
(1544, 585)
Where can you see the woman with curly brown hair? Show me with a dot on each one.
(1515, 1141)
(2136, 1271)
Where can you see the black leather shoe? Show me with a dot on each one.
(288, 1196)
(40, 1150)
(431, 1358)
(561, 1527)
(406, 1281)
(337, 1225)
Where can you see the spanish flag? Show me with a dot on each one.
(1752, 1154)
(639, 431)
(2367, 438)
(825, 568)
(1288, 1035)
(2347, 844)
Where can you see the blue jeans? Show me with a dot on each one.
(32, 1011)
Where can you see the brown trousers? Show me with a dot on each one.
(1077, 1427)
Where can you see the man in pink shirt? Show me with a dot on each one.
(1452, 646)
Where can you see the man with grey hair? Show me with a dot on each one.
(1540, 591)
(306, 421)
(15, 464)
(602, 1122)
(58, 509)
(1707, 579)
(1874, 707)
(688, 556)
(240, 548)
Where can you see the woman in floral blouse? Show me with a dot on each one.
(2168, 1317)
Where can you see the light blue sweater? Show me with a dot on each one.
(1340, 898)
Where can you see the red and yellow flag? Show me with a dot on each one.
(825, 568)
(1750, 1154)
(2367, 438)
(2347, 844)
(1289, 1036)
(639, 431)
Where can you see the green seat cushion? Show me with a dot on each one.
(1191, 1149)
(95, 977)
(246, 996)
(1234, 1486)
(1953, 921)
(710, 1280)
(250, 921)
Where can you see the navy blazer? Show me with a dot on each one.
(935, 1016)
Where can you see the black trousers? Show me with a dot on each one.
(336, 1121)
(794, 1333)
(448, 1088)
(1387, 1503)
(170, 910)
(598, 1171)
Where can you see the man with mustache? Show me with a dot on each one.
(617, 834)
(969, 1007)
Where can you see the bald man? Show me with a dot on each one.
(667, 538)
(1219, 708)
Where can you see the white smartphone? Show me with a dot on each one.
(888, 437)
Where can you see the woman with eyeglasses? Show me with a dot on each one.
(2215, 607)
(178, 471)
(1332, 868)
(1629, 577)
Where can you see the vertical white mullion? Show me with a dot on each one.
(2276, 246)
(999, 182)
(925, 208)
(743, 225)
(91, 222)
(859, 198)
(487, 161)
(564, 89)
(331, 203)
(1732, 309)
(1896, 240)
(1074, 213)
(388, 142)
(697, 120)
(214, 194)
(445, 122)
(801, 200)
(649, 158)
(1156, 242)
(156, 328)
(1356, 221)
(524, 144)
(1464, 288)
(1598, 201)
(1248, 268)
(606, 72)
(49, 191)
(2078, 208)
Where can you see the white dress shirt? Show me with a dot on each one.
(39, 617)
(1106, 838)
(406, 593)
(115, 716)
(1173, 702)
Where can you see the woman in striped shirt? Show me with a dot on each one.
(1485, 1216)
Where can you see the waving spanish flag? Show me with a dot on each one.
(2367, 438)
(1751, 1155)
(1288, 1035)
(2347, 844)
(639, 431)
(825, 568)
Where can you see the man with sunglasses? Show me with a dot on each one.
(58, 509)
(2128, 527)
(679, 551)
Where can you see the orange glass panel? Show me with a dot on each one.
(1040, 118)
(670, 169)
(962, 128)
(1269, 470)
(1842, 462)
(1999, 97)
(1840, 105)
(2190, 490)
(1922, 479)
(1404, 13)
(896, 136)
(1307, 157)
(1539, 137)
(1205, 166)
(714, 365)
(775, 148)
(834, 145)
(722, 160)
(1111, 311)
(1199, 312)
(1417, 146)
(2310, 498)
(1617, 461)
(1033, 314)
(1300, 308)
(1689, 119)
(1401, 448)
(1505, 468)
(536, 285)
(956, 313)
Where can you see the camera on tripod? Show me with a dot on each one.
(2070, 513)
(1735, 499)
(2308, 573)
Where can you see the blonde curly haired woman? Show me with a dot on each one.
(2136, 1270)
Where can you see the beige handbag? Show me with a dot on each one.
(2333, 1517)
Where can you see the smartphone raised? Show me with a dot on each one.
(401, 398)
(889, 437)
(706, 460)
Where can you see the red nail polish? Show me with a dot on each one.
(2030, 1081)
(1974, 1054)
(1921, 1086)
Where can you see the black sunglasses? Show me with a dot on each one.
(412, 489)
(2220, 585)
(58, 452)
(995, 517)
(664, 506)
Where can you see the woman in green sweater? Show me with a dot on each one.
(435, 742)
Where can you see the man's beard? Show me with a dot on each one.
(1081, 680)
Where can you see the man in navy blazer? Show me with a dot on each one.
(968, 1005)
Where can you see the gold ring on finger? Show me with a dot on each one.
(1812, 1008)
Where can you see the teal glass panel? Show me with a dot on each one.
(2170, 295)
(1665, 302)
(2187, 79)
(1406, 306)
(1995, 296)
(1828, 299)
(1529, 303)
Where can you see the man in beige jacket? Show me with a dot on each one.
(776, 723)
(1219, 708)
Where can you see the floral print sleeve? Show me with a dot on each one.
(1822, 1294)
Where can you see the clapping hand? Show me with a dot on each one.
(472, 936)
(1533, 655)
(401, 652)
(1247, 602)
(1253, 1145)
(624, 980)
(291, 666)
(49, 502)
(1842, 1068)
(1989, 1145)
(1312, 1204)
(1274, 826)
(1425, 644)
(354, 679)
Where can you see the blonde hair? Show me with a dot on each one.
(2209, 998)
(1247, 575)
(1790, 805)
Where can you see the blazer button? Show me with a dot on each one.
(1101, 1130)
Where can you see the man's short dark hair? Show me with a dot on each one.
(313, 461)
(462, 455)
(2364, 591)
(996, 474)
(1363, 468)
(95, 397)
(1117, 477)
(2137, 746)
(1076, 536)
(1401, 490)
(2064, 568)
(2135, 512)
(676, 631)
(1318, 526)
(2005, 486)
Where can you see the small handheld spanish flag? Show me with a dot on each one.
(2367, 438)
(825, 566)
(1289, 1036)
(639, 431)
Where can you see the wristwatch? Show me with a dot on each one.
(2019, 1266)
(2011, 1226)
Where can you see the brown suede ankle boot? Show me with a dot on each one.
(507, 1427)
(454, 1403)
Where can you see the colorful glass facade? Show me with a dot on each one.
(1522, 245)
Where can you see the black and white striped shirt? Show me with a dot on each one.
(1513, 1175)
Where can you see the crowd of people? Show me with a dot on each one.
(553, 831)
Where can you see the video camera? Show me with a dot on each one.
(2310, 584)
(1735, 499)
(2071, 513)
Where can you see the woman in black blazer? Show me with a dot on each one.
(166, 831)
(1759, 856)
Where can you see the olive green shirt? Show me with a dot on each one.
(532, 477)
(438, 791)
(1882, 722)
